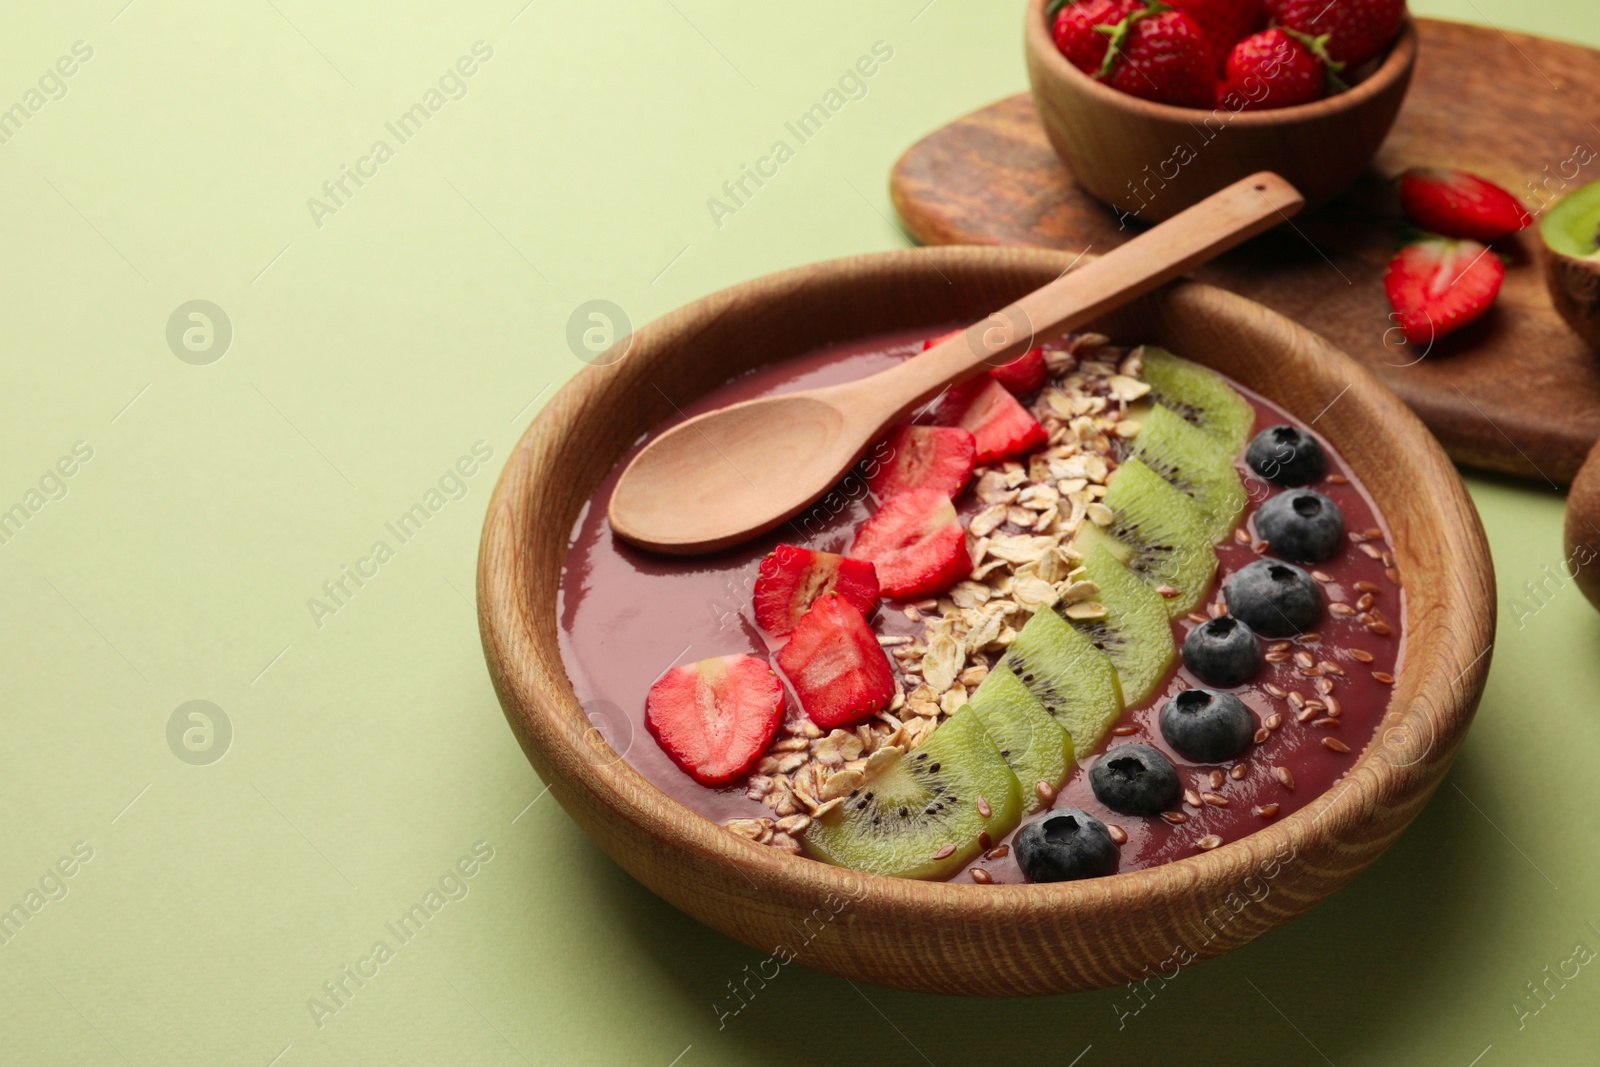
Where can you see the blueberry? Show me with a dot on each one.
(1064, 845)
(1222, 652)
(1286, 455)
(1135, 780)
(1300, 524)
(1207, 726)
(1274, 599)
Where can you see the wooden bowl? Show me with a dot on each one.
(1582, 528)
(947, 937)
(1153, 160)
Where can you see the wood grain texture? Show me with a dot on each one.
(973, 939)
(1582, 532)
(1126, 151)
(1516, 392)
(728, 475)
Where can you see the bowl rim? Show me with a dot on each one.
(1400, 58)
(544, 711)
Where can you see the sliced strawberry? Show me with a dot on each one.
(1457, 204)
(716, 718)
(1439, 285)
(837, 668)
(924, 457)
(1002, 426)
(916, 542)
(792, 578)
(1023, 375)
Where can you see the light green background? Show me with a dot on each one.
(369, 754)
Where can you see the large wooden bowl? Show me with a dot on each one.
(1153, 160)
(947, 937)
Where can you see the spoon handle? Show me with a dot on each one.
(1222, 220)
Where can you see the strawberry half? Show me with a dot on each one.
(1458, 204)
(836, 666)
(792, 578)
(1023, 375)
(716, 718)
(916, 542)
(1440, 285)
(925, 457)
(1001, 426)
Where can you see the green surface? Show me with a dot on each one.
(368, 754)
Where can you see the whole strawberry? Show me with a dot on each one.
(1224, 23)
(1357, 30)
(1439, 285)
(1458, 204)
(1271, 69)
(1077, 36)
(1158, 54)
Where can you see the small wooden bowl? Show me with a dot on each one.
(1582, 528)
(948, 937)
(1153, 160)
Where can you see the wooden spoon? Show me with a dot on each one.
(728, 475)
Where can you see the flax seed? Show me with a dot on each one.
(1307, 715)
(1262, 735)
(1273, 722)
(1340, 608)
(983, 808)
(1326, 724)
(985, 842)
(1124, 730)
(1297, 700)
(1330, 667)
(1242, 536)
(1176, 818)
(1322, 576)
(1268, 811)
(999, 852)
(1388, 560)
(1361, 655)
(1170, 592)
(1369, 587)
(1218, 609)
(1392, 574)
(1214, 799)
(1325, 686)
(1334, 744)
(1371, 551)
(1274, 690)
(1383, 677)
(1335, 709)
(1217, 779)
(1380, 628)
(1276, 657)
(1337, 479)
(1117, 833)
(1046, 791)
(1280, 646)
(1198, 619)
(1309, 672)
(1285, 777)
(1303, 658)
(1261, 548)
(944, 852)
(1312, 638)
(1365, 602)
(1191, 798)
(1237, 772)
(1208, 842)
(981, 876)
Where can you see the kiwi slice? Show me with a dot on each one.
(1158, 532)
(1201, 397)
(1135, 631)
(1033, 744)
(917, 815)
(1193, 462)
(1074, 680)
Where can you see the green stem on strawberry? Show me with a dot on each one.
(1053, 8)
(1119, 34)
(1318, 46)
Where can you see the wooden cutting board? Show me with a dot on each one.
(1515, 392)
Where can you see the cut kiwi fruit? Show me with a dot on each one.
(1033, 744)
(1135, 631)
(1074, 680)
(1201, 397)
(1160, 535)
(1192, 461)
(1571, 234)
(917, 815)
